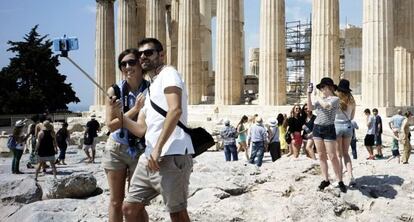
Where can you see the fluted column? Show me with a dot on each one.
(140, 19)
(189, 57)
(272, 59)
(228, 72)
(206, 48)
(104, 48)
(126, 27)
(404, 52)
(172, 32)
(156, 22)
(377, 53)
(325, 40)
(353, 58)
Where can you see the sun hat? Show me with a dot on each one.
(93, 115)
(20, 123)
(343, 86)
(259, 120)
(326, 81)
(226, 122)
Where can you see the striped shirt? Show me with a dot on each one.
(326, 117)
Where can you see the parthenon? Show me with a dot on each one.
(383, 65)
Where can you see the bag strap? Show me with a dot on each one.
(164, 114)
(345, 115)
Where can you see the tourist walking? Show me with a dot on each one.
(229, 135)
(324, 133)
(123, 148)
(242, 136)
(89, 139)
(31, 132)
(274, 142)
(343, 126)
(378, 133)
(369, 139)
(46, 147)
(258, 139)
(62, 138)
(307, 131)
(406, 136)
(16, 144)
(167, 164)
(295, 123)
(282, 126)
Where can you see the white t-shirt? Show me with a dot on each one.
(371, 125)
(179, 141)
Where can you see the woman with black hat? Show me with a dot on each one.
(324, 129)
(343, 125)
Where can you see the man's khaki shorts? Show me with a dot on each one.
(116, 157)
(171, 181)
(92, 146)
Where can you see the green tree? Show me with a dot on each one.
(31, 82)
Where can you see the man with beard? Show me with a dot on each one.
(167, 164)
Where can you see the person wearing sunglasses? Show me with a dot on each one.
(167, 164)
(122, 149)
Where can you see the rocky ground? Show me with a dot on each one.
(219, 191)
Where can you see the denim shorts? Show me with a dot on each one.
(324, 132)
(343, 129)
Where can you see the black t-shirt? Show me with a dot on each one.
(92, 128)
(295, 124)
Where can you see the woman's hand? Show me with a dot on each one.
(139, 101)
(115, 107)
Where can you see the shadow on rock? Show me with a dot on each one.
(378, 185)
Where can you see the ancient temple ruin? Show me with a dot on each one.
(377, 58)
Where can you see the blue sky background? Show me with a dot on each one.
(77, 18)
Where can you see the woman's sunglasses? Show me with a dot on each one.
(131, 62)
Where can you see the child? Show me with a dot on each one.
(394, 148)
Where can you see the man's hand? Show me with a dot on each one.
(139, 101)
(154, 159)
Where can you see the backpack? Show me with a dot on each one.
(11, 142)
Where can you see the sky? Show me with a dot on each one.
(77, 18)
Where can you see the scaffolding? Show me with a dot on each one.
(298, 50)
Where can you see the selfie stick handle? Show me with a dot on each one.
(87, 75)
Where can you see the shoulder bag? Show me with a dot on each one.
(201, 139)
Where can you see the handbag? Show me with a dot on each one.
(288, 138)
(201, 139)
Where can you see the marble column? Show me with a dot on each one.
(172, 32)
(272, 59)
(140, 19)
(242, 57)
(189, 57)
(377, 54)
(104, 48)
(325, 40)
(206, 46)
(353, 58)
(228, 72)
(156, 21)
(254, 61)
(126, 27)
(404, 52)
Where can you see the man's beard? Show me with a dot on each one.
(149, 66)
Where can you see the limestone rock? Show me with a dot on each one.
(80, 185)
(22, 189)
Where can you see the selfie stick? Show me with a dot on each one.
(86, 74)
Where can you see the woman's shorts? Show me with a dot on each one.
(116, 157)
(369, 140)
(297, 139)
(395, 152)
(343, 129)
(324, 132)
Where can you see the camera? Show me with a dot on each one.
(65, 44)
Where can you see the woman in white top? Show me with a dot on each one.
(343, 125)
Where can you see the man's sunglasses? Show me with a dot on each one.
(147, 52)
(131, 62)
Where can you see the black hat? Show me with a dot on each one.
(326, 81)
(343, 86)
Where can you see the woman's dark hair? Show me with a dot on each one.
(408, 114)
(126, 52)
(157, 44)
(367, 111)
(242, 120)
(280, 118)
(304, 113)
